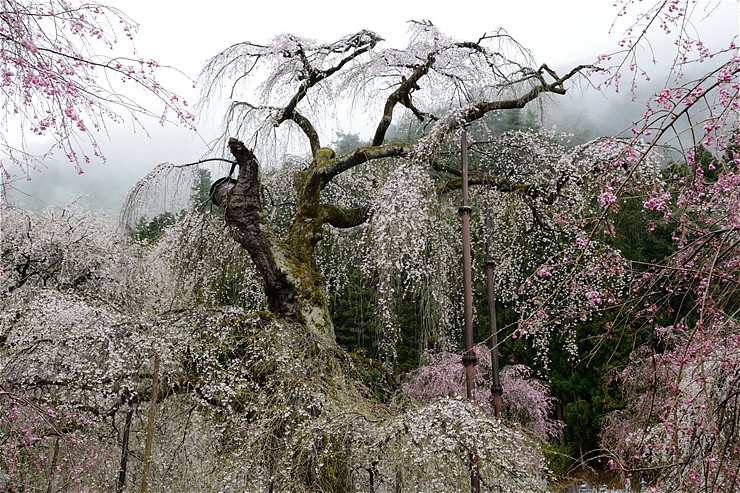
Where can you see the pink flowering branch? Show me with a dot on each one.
(55, 81)
(680, 428)
(526, 401)
(43, 445)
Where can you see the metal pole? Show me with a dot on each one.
(496, 388)
(469, 359)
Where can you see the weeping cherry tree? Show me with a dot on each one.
(292, 84)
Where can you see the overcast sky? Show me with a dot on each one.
(549, 28)
(185, 34)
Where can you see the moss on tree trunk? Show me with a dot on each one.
(294, 285)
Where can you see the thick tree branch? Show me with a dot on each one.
(402, 95)
(357, 44)
(341, 217)
(362, 155)
(303, 123)
(243, 213)
(500, 183)
(557, 86)
(309, 130)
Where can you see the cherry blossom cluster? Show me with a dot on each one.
(294, 420)
(679, 429)
(686, 411)
(526, 401)
(407, 226)
(680, 425)
(82, 312)
(41, 443)
(64, 87)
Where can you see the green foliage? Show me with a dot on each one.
(558, 457)
(352, 311)
(151, 230)
(584, 386)
(355, 325)
(642, 235)
(346, 142)
(201, 189)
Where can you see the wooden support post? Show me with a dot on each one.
(150, 425)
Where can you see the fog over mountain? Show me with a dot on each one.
(584, 113)
(103, 187)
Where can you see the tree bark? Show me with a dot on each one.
(294, 286)
(243, 214)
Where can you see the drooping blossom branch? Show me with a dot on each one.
(61, 79)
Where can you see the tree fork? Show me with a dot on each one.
(294, 286)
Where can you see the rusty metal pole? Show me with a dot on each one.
(469, 359)
(497, 390)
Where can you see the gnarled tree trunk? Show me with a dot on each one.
(294, 286)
